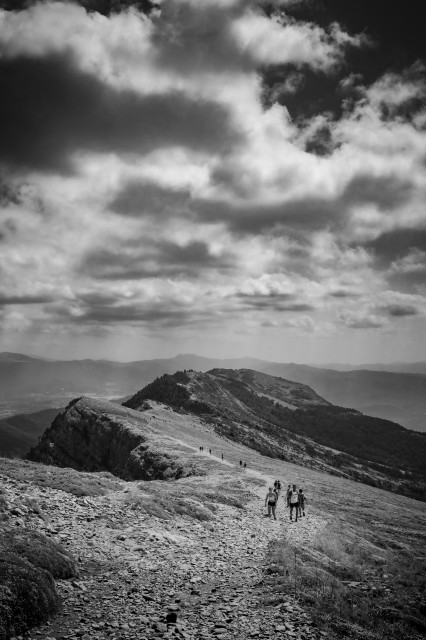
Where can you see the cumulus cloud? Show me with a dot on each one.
(155, 260)
(174, 169)
(54, 110)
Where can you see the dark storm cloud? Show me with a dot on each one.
(364, 322)
(397, 243)
(24, 299)
(344, 293)
(294, 215)
(408, 281)
(159, 259)
(401, 310)
(386, 192)
(280, 302)
(147, 198)
(104, 7)
(50, 109)
(247, 218)
(164, 314)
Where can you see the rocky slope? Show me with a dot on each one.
(91, 435)
(192, 559)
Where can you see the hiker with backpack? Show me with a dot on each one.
(288, 492)
(277, 487)
(294, 501)
(271, 501)
(302, 501)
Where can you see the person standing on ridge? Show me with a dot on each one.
(245, 466)
(271, 501)
(294, 502)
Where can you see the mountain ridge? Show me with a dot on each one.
(27, 386)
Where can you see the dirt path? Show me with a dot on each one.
(136, 569)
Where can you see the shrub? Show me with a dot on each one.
(27, 595)
(40, 551)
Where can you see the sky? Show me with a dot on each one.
(220, 177)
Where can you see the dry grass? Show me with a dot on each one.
(192, 497)
(77, 483)
(352, 587)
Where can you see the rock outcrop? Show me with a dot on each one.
(91, 435)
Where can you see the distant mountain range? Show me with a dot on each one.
(29, 384)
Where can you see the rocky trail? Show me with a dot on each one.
(144, 577)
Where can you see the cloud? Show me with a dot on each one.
(283, 40)
(6, 299)
(148, 198)
(397, 243)
(206, 164)
(51, 110)
(387, 192)
(154, 260)
(399, 310)
(362, 320)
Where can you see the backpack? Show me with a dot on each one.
(294, 497)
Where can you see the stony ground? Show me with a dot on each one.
(144, 577)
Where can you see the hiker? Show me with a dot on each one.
(210, 452)
(294, 502)
(222, 456)
(241, 463)
(288, 495)
(271, 501)
(302, 501)
(277, 487)
(245, 466)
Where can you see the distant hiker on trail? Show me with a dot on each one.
(288, 495)
(241, 463)
(294, 502)
(222, 456)
(210, 452)
(277, 487)
(245, 466)
(271, 501)
(302, 501)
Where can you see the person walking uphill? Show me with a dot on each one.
(294, 502)
(302, 501)
(287, 495)
(271, 501)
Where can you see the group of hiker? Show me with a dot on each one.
(242, 465)
(295, 500)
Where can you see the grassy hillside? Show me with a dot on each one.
(289, 421)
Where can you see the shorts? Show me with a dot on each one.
(272, 504)
(294, 504)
